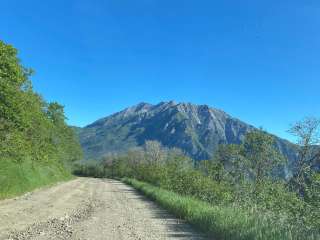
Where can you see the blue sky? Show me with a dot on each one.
(257, 60)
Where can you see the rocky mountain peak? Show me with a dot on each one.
(196, 129)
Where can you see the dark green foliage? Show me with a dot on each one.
(260, 155)
(89, 169)
(32, 132)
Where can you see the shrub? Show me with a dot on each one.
(224, 222)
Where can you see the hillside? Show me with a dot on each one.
(196, 129)
(36, 145)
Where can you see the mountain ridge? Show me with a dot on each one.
(196, 129)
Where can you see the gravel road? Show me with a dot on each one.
(90, 209)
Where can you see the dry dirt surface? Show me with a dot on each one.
(91, 209)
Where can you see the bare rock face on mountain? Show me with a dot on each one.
(196, 129)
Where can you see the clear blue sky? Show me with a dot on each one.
(257, 60)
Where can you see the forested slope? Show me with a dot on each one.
(36, 145)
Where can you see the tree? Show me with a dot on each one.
(135, 157)
(30, 128)
(154, 152)
(233, 161)
(212, 169)
(55, 113)
(307, 132)
(261, 155)
(14, 88)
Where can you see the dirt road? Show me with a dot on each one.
(91, 209)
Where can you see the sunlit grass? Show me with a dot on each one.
(18, 178)
(223, 222)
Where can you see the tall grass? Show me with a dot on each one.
(18, 178)
(223, 222)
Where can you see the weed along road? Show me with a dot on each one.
(88, 208)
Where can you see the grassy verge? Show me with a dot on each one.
(16, 179)
(221, 222)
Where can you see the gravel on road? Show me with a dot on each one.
(89, 209)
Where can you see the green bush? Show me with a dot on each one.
(224, 222)
(193, 183)
(266, 201)
(89, 169)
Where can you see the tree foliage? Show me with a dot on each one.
(240, 176)
(261, 156)
(305, 180)
(30, 128)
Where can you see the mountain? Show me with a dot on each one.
(196, 129)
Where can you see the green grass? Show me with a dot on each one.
(16, 179)
(223, 222)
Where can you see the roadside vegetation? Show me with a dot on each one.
(239, 194)
(36, 145)
(221, 221)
